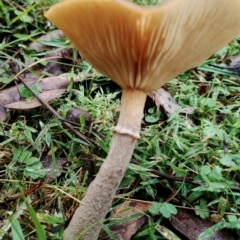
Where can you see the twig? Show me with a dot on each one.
(177, 206)
(176, 179)
(172, 178)
(68, 125)
(9, 60)
(189, 180)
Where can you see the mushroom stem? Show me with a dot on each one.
(130, 118)
(88, 218)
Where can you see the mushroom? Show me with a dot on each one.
(140, 48)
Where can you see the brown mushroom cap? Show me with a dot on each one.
(143, 48)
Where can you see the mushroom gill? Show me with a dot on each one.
(143, 48)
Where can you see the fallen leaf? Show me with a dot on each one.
(128, 228)
(234, 66)
(11, 95)
(163, 98)
(53, 169)
(54, 66)
(192, 226)
(27, 95)
(34, 102)
(38, 46)
(3, 114)
(129, 208)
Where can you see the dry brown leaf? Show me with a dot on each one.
(53, 170)
(235, 64)
(192, 226)
(127, 229)
(235, 58)
(163, 98)
(38, 46)
(11, 95)
(129, 208)
(54, 66)
(46, 96)
(3, 114)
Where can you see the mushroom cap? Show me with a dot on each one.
(141, 47)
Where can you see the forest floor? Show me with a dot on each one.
(185, 168)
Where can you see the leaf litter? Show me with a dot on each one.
(55, 86)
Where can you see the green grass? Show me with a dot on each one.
(204, 145)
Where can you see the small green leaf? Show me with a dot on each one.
(137, 168)
(237, 123)
(82, 120)
(31, 160)
(23, 15)
(199, 212)
(222, 205)
(202, 209)
(49, 219)
(152, 118)
(216, 71)
(48, 138)
(32, 168)
(155, 208)
(21, 36)
(58, 42)
(26, 18)
(70, 85)
(216, 174)
(5, 79)
(180, 171)
(184, 76)
(151, 110)
(203, 203)
(232, 218)
(17, 154)
(26, 94)
(167, 209)
(208, 102)
(200, 188)
(227, 161)
(234, 224)
(150, 191)
(205, 170)
(41, 173)
(212, 131)
(103, 146)
(215, 186)
(194, 195)
(23, 156)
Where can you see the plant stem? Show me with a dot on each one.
(88, 218)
